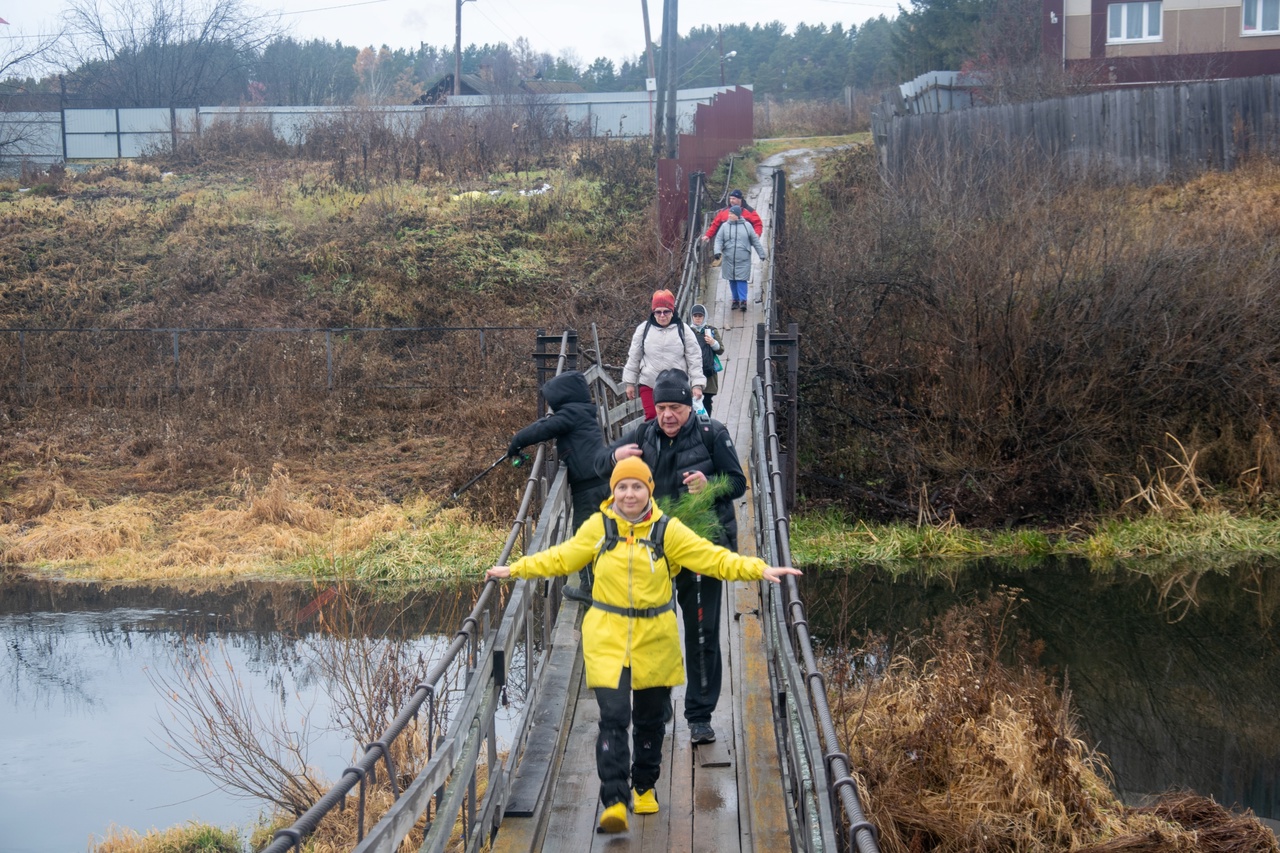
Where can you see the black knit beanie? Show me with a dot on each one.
(672, 386)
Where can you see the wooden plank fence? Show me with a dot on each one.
(1144, 134)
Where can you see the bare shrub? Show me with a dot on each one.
(245, 744)
(814, 118)
(223, 139)
(1017, 344)
(963, 744)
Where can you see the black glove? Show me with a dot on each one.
(717, 256)
(513, 450)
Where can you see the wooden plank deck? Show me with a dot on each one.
(723, 796)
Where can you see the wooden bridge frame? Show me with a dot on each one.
(823, 808)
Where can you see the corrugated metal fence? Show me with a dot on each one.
(1143, 134)
(85, 134)
(719, 128)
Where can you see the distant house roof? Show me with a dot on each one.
(474, 84)
(550, 87)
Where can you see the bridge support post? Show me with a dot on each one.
(784, 347)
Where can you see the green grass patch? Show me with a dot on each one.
(830, 541)
(446, 546)
(191, 838)
(766, 148)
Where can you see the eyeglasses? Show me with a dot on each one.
(662, 311)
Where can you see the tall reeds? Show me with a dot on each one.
(1023, 348)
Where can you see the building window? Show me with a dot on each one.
(1261, 16)
(1138, 21)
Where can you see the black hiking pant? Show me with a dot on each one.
(647, 713)
(699, 598)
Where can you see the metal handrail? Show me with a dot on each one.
(813, 759)
(453, 754)
(451, 778)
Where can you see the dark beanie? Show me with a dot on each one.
(672, 386)
(735, 210)
(698, 309)
(736, 194)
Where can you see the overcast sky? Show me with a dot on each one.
(586, 28)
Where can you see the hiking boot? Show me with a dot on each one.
(743, 305)
(574, 593)
(614, 818)
(644, 802)
(701, 733)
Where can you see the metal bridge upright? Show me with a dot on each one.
(777, 775)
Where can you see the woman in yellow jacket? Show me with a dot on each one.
(630, 642)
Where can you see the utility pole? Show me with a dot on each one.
(457, 50)
(720, 34)
(651, 82)
(660, 113)
(648, 39)
(670, 57)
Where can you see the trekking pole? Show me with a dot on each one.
(327, 595)
(516, 462)
(702, 642)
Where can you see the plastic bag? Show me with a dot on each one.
(719, 366)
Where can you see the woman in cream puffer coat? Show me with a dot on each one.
(661, 342)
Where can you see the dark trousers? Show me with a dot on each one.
(646, 711)
(706, 401)
(586, 502)
(699, 598)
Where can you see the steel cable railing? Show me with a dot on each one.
(452, 753)
(808, 731)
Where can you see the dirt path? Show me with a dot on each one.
(799, 163)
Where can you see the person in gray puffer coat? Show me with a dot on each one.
(733, 245)
(580, 444)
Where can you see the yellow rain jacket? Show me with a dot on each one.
(628, 577)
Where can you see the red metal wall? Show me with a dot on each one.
(720, 128)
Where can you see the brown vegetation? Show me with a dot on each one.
(773, 118)
(171, 384)
(964, 744)
(1011, 348)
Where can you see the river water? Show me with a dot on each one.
(1175, 673)
(83, 708)
(1176, 680)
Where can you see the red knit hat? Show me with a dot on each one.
(663, 299)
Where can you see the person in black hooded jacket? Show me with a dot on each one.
(580, 443)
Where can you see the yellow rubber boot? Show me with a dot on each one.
(614, 818)
(645, 802)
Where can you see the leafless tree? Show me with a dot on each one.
(217, 727)
(22, 58)
(166, 52)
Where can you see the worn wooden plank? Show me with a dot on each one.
(554, 711)
(679, 806)
(575, 797)
(760, 773)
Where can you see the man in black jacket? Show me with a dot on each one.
(580, 443)
(683, 451)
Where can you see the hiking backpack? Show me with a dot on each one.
(612, 536)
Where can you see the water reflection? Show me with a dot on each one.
(1176, 678)
(81, 740)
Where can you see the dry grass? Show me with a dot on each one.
(963, 747)
(192, 838)
(248, 526)
(1023, 348)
